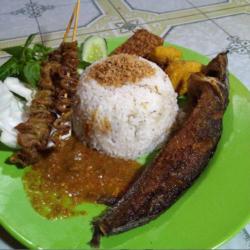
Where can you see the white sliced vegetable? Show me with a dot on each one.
(4, 124)
(65, 137)
(18, 88)
(16, 111)
(11, 109)
(6, 96)
(12, 115)
(50, 144)
(9, 139)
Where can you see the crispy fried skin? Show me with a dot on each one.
(180, 161)
(142, 43)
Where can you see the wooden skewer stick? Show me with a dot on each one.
(69, 24)
(76, 20)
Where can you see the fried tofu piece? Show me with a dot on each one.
(179, 73)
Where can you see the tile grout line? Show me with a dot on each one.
(38, 25)
(200, 12)
(210, 19)
(170, 18)
(82, 34)
(156, 21)
(118, 12)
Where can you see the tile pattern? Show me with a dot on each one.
(50, 18)
(241, 241)
(48, 23)
(161, 7)
(32, 10)
(206, 32)
(238, 46)
(202, 3)
(207, 26)
(16, 15)
(164, 9)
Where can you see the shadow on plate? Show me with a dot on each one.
(4, 148)
(9, 240)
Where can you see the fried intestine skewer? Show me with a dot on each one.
(49, 115)
(65, 91)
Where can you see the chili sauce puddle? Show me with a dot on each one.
(73, 174)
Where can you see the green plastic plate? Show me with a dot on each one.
(215, 208)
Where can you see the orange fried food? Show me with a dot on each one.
(179, 73)
(165, 55)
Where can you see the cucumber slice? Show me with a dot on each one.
(94, 48)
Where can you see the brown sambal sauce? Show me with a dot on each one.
(74, 173)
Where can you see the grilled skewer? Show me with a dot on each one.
(50, 109)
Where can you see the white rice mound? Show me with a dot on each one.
(127, 121)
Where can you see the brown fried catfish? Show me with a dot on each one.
(180, 161)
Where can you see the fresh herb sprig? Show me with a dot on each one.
(182, 100)
(25, 62)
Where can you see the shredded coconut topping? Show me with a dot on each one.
(121, 69)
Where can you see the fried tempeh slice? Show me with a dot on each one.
(180, 161)
(142, 43)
